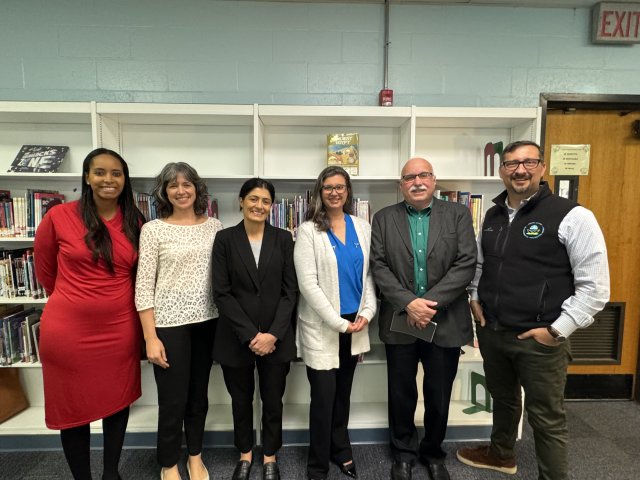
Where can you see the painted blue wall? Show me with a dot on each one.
(207, 51)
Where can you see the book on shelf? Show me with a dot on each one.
(17, 275)
(31, 208)
(15, 347)
(343, 150)
(21, 215)
(474, 202)
(7, 227)
(5, 311)
(35, 331)
(30, 353)
(212, 207)
(43, 201)
(146, 205)
(39, 158)
(361, 209)
(288, 214)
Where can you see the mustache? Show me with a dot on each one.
(418, 188)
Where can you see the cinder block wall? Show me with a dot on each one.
(207, 51)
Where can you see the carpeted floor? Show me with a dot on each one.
(604, 444)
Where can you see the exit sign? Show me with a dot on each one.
(616, 23)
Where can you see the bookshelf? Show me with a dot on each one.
(286, 144)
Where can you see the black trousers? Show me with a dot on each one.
(182, 388)
(76, 445)
(240, 382)
(329, 411)
(440, 365)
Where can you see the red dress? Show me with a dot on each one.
(90, 333)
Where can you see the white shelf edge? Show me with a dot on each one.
(23, 365)
(142, 418)
(53, 176)
(186, 109)
(22, 300)
(45, 107)
(16, 239)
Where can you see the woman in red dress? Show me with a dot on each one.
(90, 337)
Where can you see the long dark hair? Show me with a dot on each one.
(168, 174)
(317, 211)
(97, 238)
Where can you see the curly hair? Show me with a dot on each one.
(168, 174)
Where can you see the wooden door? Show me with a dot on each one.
(612, 192)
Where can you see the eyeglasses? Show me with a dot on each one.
(412, 177)
(528, 163)
(330, 188)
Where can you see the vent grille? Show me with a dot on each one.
(600, 343)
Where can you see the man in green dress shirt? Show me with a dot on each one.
(423, 256)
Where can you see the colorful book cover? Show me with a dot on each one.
(39, 158)
(343, 150)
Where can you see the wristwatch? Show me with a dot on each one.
(557, 336)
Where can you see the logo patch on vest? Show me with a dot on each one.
(533, 230)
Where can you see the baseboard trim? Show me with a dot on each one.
(599, 387)
(225, 439)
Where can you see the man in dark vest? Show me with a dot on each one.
(542, 273)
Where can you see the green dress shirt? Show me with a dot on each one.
(419, 232)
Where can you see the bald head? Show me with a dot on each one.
(418, 182)
(418, 164)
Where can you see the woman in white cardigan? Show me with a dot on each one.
(337, 302)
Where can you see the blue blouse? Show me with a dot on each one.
(350, 267)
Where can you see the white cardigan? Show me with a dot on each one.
(319, 320)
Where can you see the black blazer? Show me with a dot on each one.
(451, 265)
(253, 299)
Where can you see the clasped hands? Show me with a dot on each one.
(420, 312)
(358, 325)
(263, 344)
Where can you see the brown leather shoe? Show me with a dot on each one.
(483, 457)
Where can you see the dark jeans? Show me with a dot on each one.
(183, 388)
(440, 366)
(329, 411)
(510, 363)
(240, 384)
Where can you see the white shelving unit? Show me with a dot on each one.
(228, 144)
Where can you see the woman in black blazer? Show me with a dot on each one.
(255, 289)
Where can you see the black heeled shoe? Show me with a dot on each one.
(270, 471)
(242, 470)
(349, 469)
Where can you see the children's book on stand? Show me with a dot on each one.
(39, 158)
(343, 150)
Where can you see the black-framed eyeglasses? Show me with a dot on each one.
(338, 188)
(528, 163)
(412, 177)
